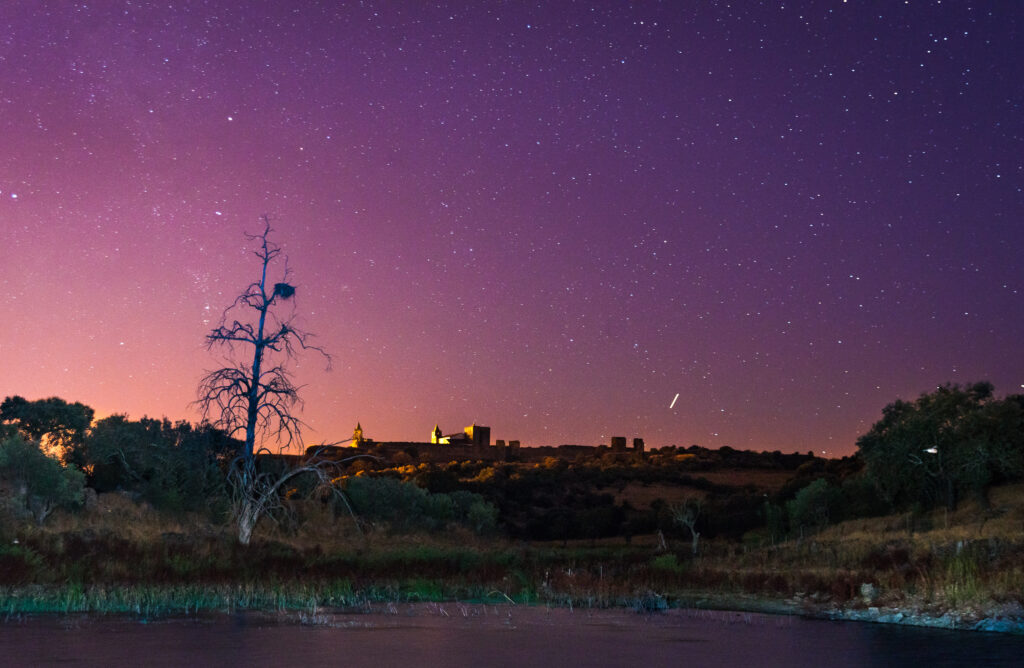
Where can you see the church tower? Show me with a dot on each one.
(357, 435)
(436, 435)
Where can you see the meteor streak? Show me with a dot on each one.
(674, 400)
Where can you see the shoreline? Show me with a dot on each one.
(997, 618)
(952, 620)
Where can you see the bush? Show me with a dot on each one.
(669, 563)
(41, 482)
(404, 506)
(482, 517)
(815, 505)
(18, 564)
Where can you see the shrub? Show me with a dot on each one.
(18, 564)
(172, 466)
(815, 505)
(405, 506)
(41, 482)
(669, 563)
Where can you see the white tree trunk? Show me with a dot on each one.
(247, 517)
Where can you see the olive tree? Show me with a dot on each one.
(253, 396)
(949, 441)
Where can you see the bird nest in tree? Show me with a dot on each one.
(283, 290)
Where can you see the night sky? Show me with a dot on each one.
(548, 218)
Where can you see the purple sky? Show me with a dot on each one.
(548, 218)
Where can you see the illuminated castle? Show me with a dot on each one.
(473, 442)
(474, 435)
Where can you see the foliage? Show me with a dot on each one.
(815, 505)
(861, 498)
(405, 506)
(53, 422)
(946, 443)
(669, 563)
(41, 482)
(775, 521)
(733, 514)
(174, 467)
(18, 564)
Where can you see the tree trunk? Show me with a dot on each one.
(950, 494)
(247, 518)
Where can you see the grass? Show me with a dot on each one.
(124, 558)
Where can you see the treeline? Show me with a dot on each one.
(52, 455)
(946, 445)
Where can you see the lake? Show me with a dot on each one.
(453, 634)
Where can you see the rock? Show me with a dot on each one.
(869, 593)
(998, 625)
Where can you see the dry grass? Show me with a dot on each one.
(117, 514)
(309, 525)
(1002, 520)
(971, 557)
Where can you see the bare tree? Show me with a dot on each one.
(258, 399)
(686, 514)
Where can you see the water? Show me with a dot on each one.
(477, 635)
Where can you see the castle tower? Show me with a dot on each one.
(478, 435)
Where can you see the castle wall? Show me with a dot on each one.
(431, 452)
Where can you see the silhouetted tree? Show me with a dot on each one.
(55, 423)
(257, 398)
(946, 442)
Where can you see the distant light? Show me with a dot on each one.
(14, 196)
(932, 450)
(216, 213)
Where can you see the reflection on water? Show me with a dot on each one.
(455, 634)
